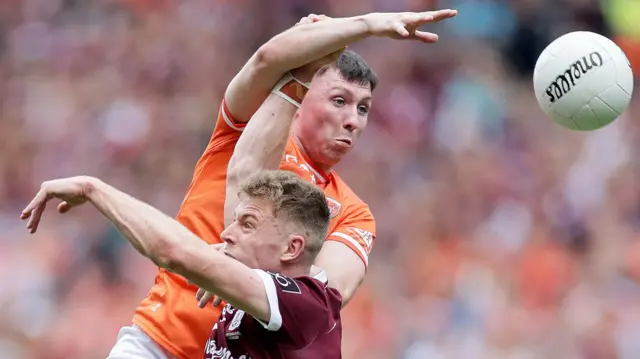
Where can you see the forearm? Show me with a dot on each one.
(150, 232)
(172, 246)
(303, 44)
(260, 147)
(289, 50)
(264, 139)
(344, 269)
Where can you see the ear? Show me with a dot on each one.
(294, 249)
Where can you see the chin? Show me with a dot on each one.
(332, 157)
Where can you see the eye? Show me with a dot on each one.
(363, 110)
(247, 225)
(339, 101)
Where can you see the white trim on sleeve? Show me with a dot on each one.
(358, 246)
(275, 320)
(322, 276)
(228, 120)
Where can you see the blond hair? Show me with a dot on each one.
(295, 201)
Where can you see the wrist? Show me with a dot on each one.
(366, 21)
(91, 187)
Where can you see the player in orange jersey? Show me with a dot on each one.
(168, 323)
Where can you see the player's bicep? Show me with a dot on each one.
(251, 86)
(345, 269)
(226, 132)
(345, 254)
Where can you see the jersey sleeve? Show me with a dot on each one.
(301, 309)
(357, 231)
(227, 129)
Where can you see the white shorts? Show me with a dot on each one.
(133, 343)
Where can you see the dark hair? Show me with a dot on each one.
(353, 68)
(295, 201)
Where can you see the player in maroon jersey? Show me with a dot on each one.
(275, 310)
(303, 310)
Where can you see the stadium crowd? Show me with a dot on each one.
(500, 234)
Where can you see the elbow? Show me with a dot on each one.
(241, 168)
(347, 287)
(346, 292)
(168, 256)
(265, 58)
(271, 54)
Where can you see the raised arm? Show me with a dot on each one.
(261, 147)
(160, 238)
(263, 141)
(301, 50)
(288, 50)
(301, 45)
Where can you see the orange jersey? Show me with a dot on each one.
(170, 314)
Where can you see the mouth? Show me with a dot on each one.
(344, 141)
(229, 255)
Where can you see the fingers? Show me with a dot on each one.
(311, 18)
(419, 19)
(203, 297)
(34, 221)
(34, 210)
(304, 20)
(443, 14)
(426, 37)
(64, 207)
(414, 21)
(206, 298)
(401, 30)
(200, 293)
(217, 301)
(315, 17)
(40, 197)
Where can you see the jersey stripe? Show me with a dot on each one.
(275, 322)
(362, 252)
(227, 118)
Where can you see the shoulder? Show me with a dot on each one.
(303, 285)
(346, 199)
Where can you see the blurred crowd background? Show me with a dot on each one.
(500, 234)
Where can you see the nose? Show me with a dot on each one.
(227, 237)
(350, 123)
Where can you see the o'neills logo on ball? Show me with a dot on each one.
(567, 80)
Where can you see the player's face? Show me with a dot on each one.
(255, 238)
(332, 117)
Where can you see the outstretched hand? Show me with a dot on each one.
(405, 25)
(72, 191)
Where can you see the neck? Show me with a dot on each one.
(295, 270)
(323, 168)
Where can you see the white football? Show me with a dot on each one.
(583, 81)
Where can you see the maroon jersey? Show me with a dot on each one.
(304, 323)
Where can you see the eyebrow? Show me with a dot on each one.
(245, 215)
(342, 88)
